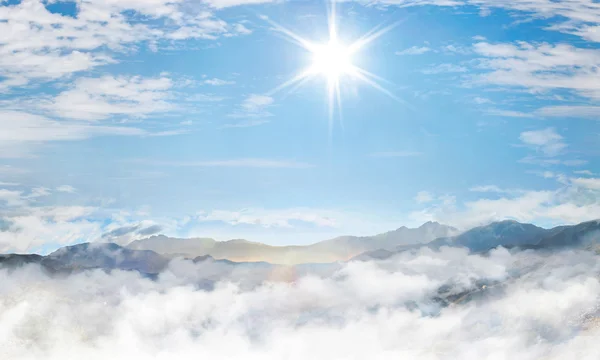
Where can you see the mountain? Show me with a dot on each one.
(509, 234)
(586, 235)
(108, 256)
(337, 249)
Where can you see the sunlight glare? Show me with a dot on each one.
(331, 60)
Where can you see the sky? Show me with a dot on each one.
(124, 119)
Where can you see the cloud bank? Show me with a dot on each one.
(523, 305)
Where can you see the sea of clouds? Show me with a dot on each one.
(535, 305)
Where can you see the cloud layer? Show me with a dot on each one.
(521, 305)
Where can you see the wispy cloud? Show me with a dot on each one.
(254, 106)
(395, 154)
(571, 111)
(415, 50)
(101, 98)
(548, 141)
(246, 123)
(234, 163)
(218, 82)
(445, 68)
(424, 197)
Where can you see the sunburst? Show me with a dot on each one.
(333, 60)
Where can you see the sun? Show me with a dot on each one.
(331, 60)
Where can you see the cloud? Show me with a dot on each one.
(584, 172)
(22, 133)
(423, 197)
(100, 98)
(150, 230)
(481, 100)
(577, 17)
(588, 183)
(375, 309)
(246, 123)
(270, 218)
(415, 50)
(540, 67)
(395, 154)
(445, 68)
(533, 160)
(218, 82)
(66, 189)
(507, 113)
(548, 141)
(221, 4)
(571, 111)
(39, 45)
(574, 200)
(493, 189)
(254, 106)
(246, 162)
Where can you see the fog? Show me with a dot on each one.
(534, 305)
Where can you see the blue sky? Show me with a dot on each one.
(119, 119)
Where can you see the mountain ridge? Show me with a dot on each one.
(340, 248)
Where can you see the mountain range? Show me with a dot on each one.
(153, 255)
(337, 249)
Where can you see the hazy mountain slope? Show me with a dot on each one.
(109, 256)
(508, 234)
(505, 233)
(338, 249)
(586, 234)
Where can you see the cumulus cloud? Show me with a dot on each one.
(574, 200)
(39, 45)
(509, 305)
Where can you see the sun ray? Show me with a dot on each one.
(333, 61)
(370, 36)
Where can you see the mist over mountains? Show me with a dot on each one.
(437, 300)
(152, 255)
(337, 249)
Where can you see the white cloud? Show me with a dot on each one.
(574, 200)
(395, 154)
(254, 106)
(270, 218)
(218, 82)
(548, 141)
(507, 113)
(481, 100)
(245, 162)
(380, 309)
(578, 17)
(588, 183)
(66, 189)
(490, 189)
(415, 50)
(36, 44)
(22, 133)
(220, 4)
(533, 160)
(26, 225)
(541, 67)
(445, 68)
(584, 172)
(246, 123)
(571, 111)
(424, 197)
(101, 98)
